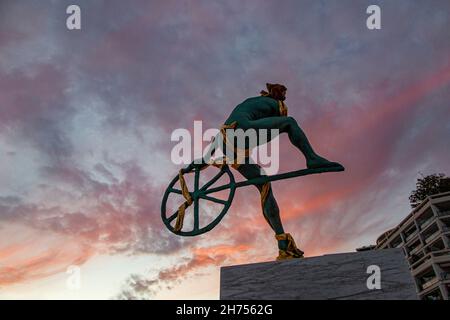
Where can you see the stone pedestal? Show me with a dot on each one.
(356, 275)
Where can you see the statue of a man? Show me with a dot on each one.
(268, 111)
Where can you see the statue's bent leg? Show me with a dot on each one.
(284, 125)
(296, 135)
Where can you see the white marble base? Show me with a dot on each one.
(336, 276)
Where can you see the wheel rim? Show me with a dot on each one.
(199, 194)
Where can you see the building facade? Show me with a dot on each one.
(424, 236)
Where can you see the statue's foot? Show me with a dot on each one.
(289, 250)
(320, 162)
(286, 255)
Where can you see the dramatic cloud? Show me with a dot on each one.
(141, 287)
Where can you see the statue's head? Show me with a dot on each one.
(276, 91)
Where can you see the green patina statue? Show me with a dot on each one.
(267, 111)
(264, 112)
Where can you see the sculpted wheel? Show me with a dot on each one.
(204, 195)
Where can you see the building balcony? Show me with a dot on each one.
(415, 250)
(426, 223)
(434, 294)
(430, 283)
(432, 237)
(410, 236)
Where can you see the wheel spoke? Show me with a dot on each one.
(213, 180)
(196, 215)
(196, 178)
(216, 200)
(172, 217)
(175, 191)
(217, 189)
(196, 184)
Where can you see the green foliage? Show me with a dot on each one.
(427, 186)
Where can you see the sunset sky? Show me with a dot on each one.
(86, 118)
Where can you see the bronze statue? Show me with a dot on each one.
(267, 111)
